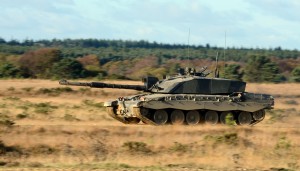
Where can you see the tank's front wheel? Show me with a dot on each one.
(192, 117)
(244, 118)
(177, 117)
(160, 117)
(259, 115)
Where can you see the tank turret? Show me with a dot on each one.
(187, 81)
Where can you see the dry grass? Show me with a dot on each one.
(72, 130)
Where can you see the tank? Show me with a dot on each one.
(188, 98)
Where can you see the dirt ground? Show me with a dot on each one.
(45, 126)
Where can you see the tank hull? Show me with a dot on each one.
(146, 107)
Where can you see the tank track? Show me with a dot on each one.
(148, 118)
(112, 112)
(259, 120)
(143, 118)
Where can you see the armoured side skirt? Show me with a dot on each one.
(196, 105)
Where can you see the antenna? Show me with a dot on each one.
(224, 53)
(216, 69)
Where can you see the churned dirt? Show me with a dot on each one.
(45, 126)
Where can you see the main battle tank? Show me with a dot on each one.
(187, 98)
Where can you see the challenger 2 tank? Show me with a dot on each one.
(187, 98)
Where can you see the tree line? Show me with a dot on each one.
(118, 59)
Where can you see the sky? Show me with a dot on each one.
(246, 23)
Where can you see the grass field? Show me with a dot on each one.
(45, 126)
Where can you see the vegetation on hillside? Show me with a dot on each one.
(119, 59)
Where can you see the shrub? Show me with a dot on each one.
(228, 138)
(262, 69)
(8, 70)
(3, 163)
(69, 117)
(178, 147)
(41, 149)
(92, 103)
(37, 63)
(296, 74)
(68, 68)
(22, 116)
(27, 89)
(283, 143)
(136, 147)
(229, 119)
(291, 102)
(55, 91)
(12, 98)
(44, 108)
(11, 89)
(35, 164)
(5, 120)
(4, 149)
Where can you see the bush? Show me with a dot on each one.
(291, 102)
(232, 71)
(12, 98)
(296, 74)
(136, 147)
(92, 103)
(69, 117)
(228, 138)
(37, 63)
(5, 120)
(68, 68)
(44, 108)
(22, 116)
(8, 70)
(41, 149)
(283, 143)
(35, 164)
(4, 149)
(261, 69)
(28, 89)
(55, 91)
(178, 147)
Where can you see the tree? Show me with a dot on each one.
(90, 62)
(2, 41)
(8, 70)
(39, 62)
(262, 69)
(232, 71)
(68, 68)
(296, 74)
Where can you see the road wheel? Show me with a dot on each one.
(160, 117)
(211, 117)
(259, 115)
(244, 118)
(144, 111)
(177, 117)
(192, 117)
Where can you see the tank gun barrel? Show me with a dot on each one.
(103, 85)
